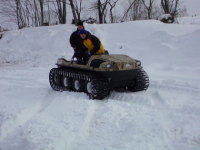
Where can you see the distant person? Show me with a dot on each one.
(77, 44)
(92, 43)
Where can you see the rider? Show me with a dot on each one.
(77, 44)
(92, 43)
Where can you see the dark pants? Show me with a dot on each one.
(81, 56)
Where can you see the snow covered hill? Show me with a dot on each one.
(165, 117)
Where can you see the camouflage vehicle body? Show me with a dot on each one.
(101, 74)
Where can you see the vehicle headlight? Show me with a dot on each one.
(108, 66)
(127, 65)
(138, 63)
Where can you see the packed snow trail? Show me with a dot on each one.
(166, 116)
(156, 119)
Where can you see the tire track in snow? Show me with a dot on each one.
(152, 96)
(164, 123)
(148, 101)
(11, 126)
(140, 98)
(47, 100)
(185, 88)
(84, 131)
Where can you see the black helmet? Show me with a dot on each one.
(80, 23)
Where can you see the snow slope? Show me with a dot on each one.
(165, 117)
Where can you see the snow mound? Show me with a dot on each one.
(189, 20)
(166, 116)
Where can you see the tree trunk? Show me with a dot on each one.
(17, 13)
(111, 10)
(41, 11)
(174, 14)
(20, 19)
(64, 12)
(127, 11)
(37, 20)
(73, 11)
(100, 12)
(165, 5)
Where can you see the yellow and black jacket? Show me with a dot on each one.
(93, 44)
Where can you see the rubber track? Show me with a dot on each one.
(142, 81)
(69, 73)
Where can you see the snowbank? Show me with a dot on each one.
(166, 116)
(189, 20)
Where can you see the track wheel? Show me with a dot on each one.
(140, 83)
(55, 79)
(66, 82)
(78, 85)
(97, 89)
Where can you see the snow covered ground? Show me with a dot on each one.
(165, 117)
(189, 20)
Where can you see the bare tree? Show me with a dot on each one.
(141, 9)
(37, 12)
(61, 10)
(112, 4)
(30, 12)
(137, 11)
(148, 5)
(73, 11)
(41, 2)
(27, 12)
(76, 7)
(170, 7)
(102, 10)
(101, 7)
(19, 14)
(64, 11)
(36, 15)
(131, 4)
(17, 11)
(165, 5)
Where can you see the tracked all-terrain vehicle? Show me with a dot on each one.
(101, 75)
